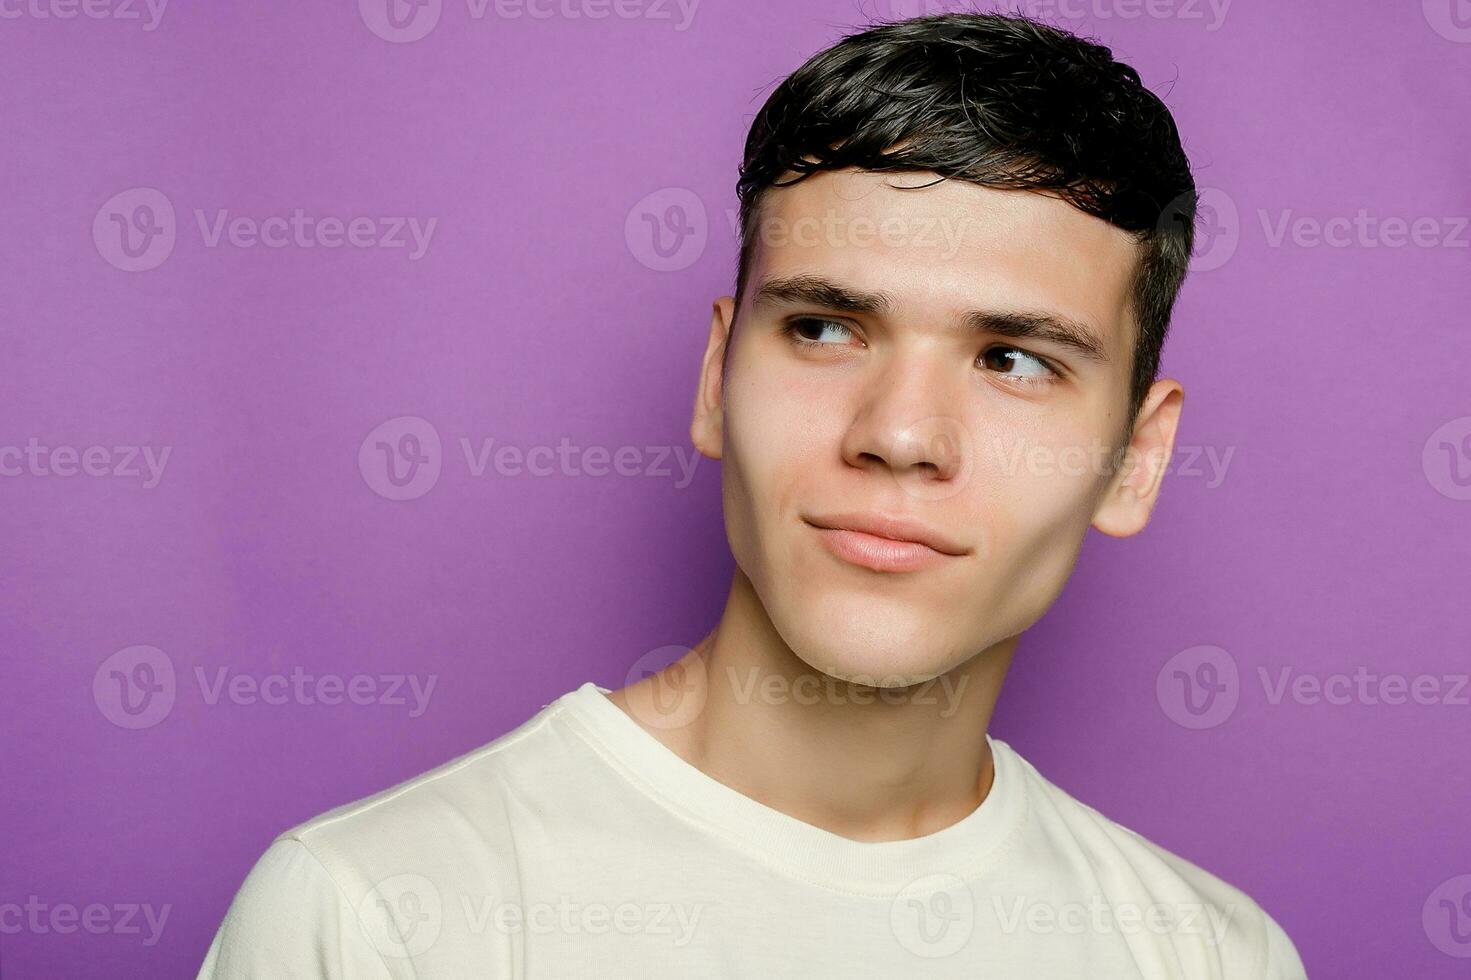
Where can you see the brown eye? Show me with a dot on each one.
(1017, 363)
(809, 330)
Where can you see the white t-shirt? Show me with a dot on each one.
(578, 845)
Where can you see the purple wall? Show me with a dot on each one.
(1317, 521)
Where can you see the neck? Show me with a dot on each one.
(866, 763)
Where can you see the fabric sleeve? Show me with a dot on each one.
(1283, 963)
(290, 921)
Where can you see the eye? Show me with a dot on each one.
(1013, 362)
(798, 328)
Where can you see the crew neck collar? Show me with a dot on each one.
(805, 850)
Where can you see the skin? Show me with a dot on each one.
(855, 700)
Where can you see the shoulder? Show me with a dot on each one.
(1163, 893)
(428, 809)
(290, 918)
(330, 893)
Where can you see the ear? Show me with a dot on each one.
(1126, 504)
(707, 430)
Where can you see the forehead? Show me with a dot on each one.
(944, 247)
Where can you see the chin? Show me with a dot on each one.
(857, 641)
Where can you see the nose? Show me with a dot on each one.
(905, 423)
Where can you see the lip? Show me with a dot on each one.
(884, 543)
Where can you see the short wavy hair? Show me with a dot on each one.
(999, 100)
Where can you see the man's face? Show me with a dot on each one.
(877, 370)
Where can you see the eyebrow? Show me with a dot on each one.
(1054, 328)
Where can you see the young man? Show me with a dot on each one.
(962, 237)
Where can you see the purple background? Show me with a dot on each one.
(1335, 376)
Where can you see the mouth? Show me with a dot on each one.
(884, 544)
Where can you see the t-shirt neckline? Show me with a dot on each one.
(807, 851)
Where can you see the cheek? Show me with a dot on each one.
(1036, 484)
(1048, 462)
(776, 436)
(779, 431)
